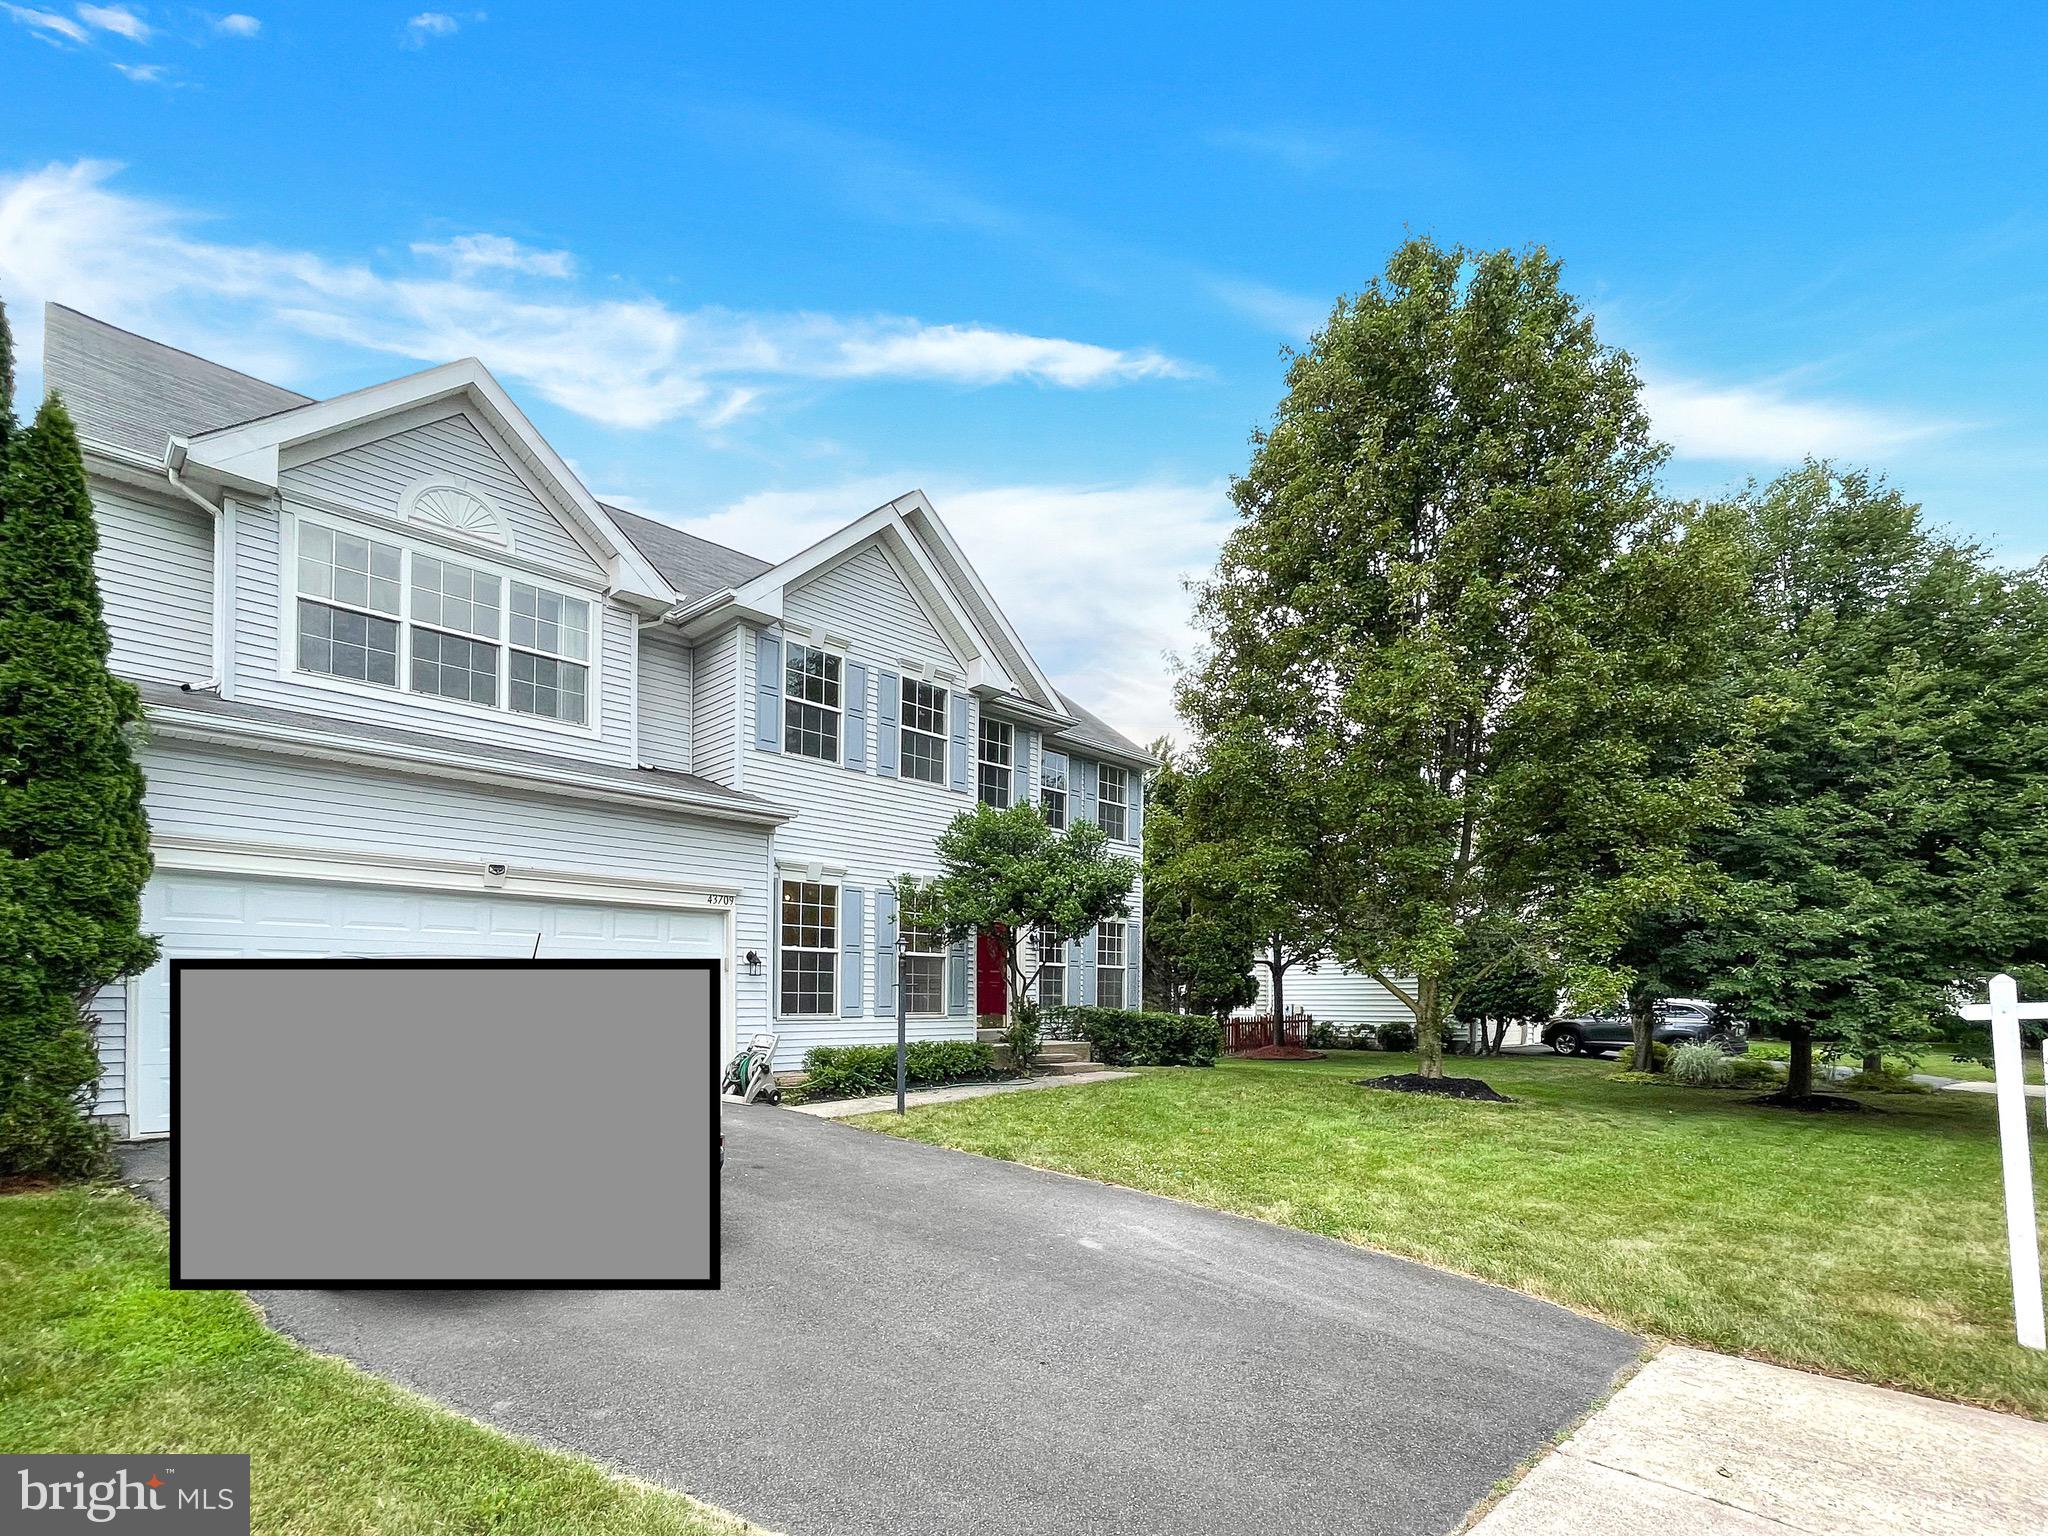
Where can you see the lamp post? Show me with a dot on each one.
(902, 1018)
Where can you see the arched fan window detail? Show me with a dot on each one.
(458, 507)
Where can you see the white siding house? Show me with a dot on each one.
(412, 690)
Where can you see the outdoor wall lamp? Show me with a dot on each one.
(753, 963)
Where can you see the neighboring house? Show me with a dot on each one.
(1332, 994)
(412, 690)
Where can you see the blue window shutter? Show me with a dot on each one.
(958, 967)
(888, 709)
(1134, 792)
(852, 939)
(1082, 789)
(1020, 769)
(960, 711)
(768, 691)
(1081, 970)
(856, 697)
(1134, 965)
(885, 953)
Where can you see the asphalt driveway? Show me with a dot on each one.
(914, 1341)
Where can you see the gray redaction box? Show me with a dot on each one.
(429, 1123)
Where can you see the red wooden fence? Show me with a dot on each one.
(1250, 1034)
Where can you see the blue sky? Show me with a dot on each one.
(756, 269)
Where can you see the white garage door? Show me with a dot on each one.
(206, 916)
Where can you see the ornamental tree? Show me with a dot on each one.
(1008, 874)
(74, 844)
(1459, 620)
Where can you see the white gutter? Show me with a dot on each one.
(174, 460)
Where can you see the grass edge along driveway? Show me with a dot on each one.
(1863, 1245)
(97, 1354)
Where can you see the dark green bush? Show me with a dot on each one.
(1123, 1037)
(857, 1071)
(1660, 1058)
(1395, 1036)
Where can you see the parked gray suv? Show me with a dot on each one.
(1680, 1021)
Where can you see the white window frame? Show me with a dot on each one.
(1007, 767)
(943, 954)
(1113, 927)
(1105, 774)
(1065, 790)
(905, 730)
(1042, 966)
(461, 553)
(836, 654)
(783, 880)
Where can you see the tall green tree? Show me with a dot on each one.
(1888, 845)
(1462, 619)
(74, 845)
(1198, 947)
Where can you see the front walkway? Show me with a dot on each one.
(842, 1109)
(1700, 1444)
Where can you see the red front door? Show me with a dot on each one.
(989, 987)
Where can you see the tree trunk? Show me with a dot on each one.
(1500, 1035)
(1873, 1062)
(1799, 1070)
(1642, 1008)
(1278, 967)
(1429, 1028)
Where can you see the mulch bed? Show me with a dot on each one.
(1443, 1087)
(1813, 1103)
(1281, 1053)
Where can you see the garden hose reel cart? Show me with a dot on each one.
(752, 1073)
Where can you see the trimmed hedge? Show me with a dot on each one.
(858, 1071)
(1123, 1037)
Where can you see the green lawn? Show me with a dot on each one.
(1869, 1245)
(96, 1354)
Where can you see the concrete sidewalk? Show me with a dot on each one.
(1700, 1444)
(841, 1109)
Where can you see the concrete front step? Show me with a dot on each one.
(1053, 1056)
(1065, 1067)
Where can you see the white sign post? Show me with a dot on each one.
(2009, 1061)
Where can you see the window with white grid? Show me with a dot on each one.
(1112, 804)
(924, 731)
(1049, 955)
(1109, 964)
(809, 933)
(993, 763)
(812, 705)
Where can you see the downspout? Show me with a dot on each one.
(174, 460)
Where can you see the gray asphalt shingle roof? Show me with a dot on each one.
(166, 696)
(130, 392)
(1092, 731)
(694, 567)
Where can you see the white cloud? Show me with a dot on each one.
(432, 24)
(1058, 559)
(120, 20)
(1295, 316)
(66, 234)
(466, 255)
(1763, 423)
(146, 73)
(235, 24)
(48, 24)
